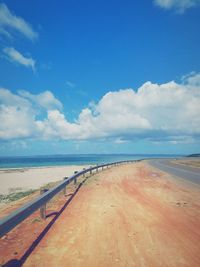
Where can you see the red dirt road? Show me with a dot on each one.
(130, 215)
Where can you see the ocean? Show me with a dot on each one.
(81, 159)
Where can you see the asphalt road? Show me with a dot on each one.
(187, 173)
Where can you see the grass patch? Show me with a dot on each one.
(15, 196)
(36, 220)
(50, 185)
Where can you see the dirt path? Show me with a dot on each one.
(128, 215)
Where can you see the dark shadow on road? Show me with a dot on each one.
(51, 214)
(18, 263)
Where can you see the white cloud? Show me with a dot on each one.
(70, 84)
(179, 5)
(9, 22)
(45, 100)
(15, 56)
(16, 122)
(18, 113)
(120, 141)
(159, 113)
(5, 33)
(192, 79)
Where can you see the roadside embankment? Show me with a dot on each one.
(129, 215)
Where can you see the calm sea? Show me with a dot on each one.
(61, 160)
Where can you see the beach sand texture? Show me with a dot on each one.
(129, 215)
(12, 180)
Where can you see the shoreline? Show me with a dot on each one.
(18, 169)
(19, 179)
(23, 179)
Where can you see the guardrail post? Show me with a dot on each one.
(84, 173)
(75, 179)
(65, 188)
(43, 207)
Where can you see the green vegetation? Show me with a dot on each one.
(50, 185)
(15, 196)
(36, 220)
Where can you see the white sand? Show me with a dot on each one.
(12, 180)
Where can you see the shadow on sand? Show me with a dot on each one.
(20, 262)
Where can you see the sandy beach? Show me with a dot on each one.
(21, 179)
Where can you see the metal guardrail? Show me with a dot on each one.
(11, 221)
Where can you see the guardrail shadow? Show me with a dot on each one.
(20, 262)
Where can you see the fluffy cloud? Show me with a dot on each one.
(167, 112)
(45, 100)
(16, 122)
(13, 55)
(9, 22)
(192, 79)
(18, 113)
(179, 5)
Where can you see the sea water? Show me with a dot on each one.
(62, 160)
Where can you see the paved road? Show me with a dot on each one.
(188, 173)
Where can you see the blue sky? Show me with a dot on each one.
(99, 77)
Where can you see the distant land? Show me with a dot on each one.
(194, 155)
